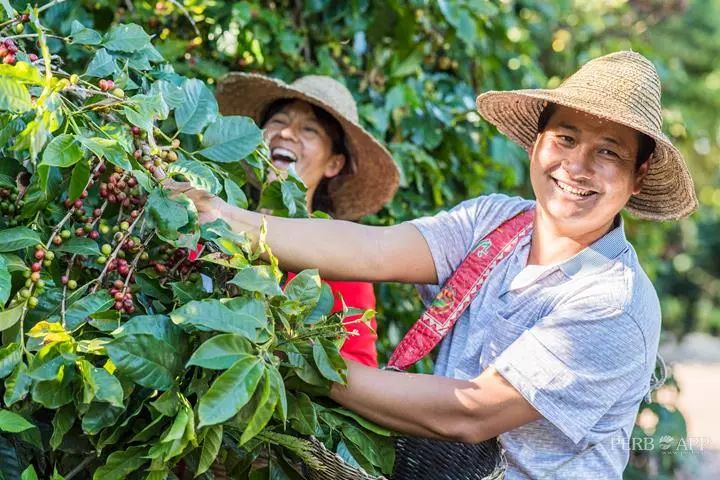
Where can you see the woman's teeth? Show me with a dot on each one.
(283, 154)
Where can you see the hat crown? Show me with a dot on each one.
(333, 93)
(625, 83)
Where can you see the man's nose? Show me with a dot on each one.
(579, 162)
(289, 132)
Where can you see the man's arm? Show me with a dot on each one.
(433, 406)
(340, 250)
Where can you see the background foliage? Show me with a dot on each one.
(415, 67)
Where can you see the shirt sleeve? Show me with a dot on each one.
(574, 364)
(451, 234)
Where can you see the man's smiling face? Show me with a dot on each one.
(583, 172)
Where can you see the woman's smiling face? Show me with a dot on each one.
(296, 136)
(583, 171)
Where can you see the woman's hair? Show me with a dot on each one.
(646, 145)
(321, 199)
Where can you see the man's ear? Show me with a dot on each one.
(335, 165)
(640, 175)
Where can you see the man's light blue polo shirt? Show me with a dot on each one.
(578, 340)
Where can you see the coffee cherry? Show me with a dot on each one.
(78, 203)
(118, 92)
(94, 235)
(135, 131)
(49, 255)
(39, 254)
(19, 28)
(106, 249)
(74, 78)
(9, 59)
(36, 267)
(72, 284)
(32, 302)
(34, 277)
(101, 260)
(57, 240)
(25, 293)
(46, 263)
(65, 234)
(124, 226)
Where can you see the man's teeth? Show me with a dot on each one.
(576, 191)
(280, 153)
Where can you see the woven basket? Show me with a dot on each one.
(420, 459)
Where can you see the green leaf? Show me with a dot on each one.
(158, 326)
(10, 356)
(378, 450)
(324, 306)
(146, 360)
(100, 385)
(14, 263)
(62, 423)
(16, 238)
(302, 414)
(5, 282)
(102, 65)
(264, 411)
(17, 385)
(210, 448)
(235, 195)
(196, 173)
(304, 288)
(198, 108)
(49, 363)
(120, 464)
(364, 422)
(80, 246)
(143, 110)
(13, 423)
(100, 415)
(212, 315)
(79, 180)
(279, 386)
(109, 149)
(54, 394)
(187, 291)
(81, 35)
(127, 38)
(171, 94)
(62, 151)
(230, 391)
(14, 96)
(29, 474)
(258, 278)
(77, 313)
(10, 317)
(329, 361)
(221, 352)
(230, 139)
(166, 213)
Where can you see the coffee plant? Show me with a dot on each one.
(136, 341)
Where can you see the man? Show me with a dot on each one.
(556, 350)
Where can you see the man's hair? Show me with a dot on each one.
(646, 144)
(321, 197)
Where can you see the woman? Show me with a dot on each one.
(312, 124)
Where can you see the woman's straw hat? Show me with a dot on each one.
(375, 177)
(622, 87)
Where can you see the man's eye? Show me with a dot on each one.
(610, 153)
(566, 139)
(311, 130)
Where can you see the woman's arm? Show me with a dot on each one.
(433, 406)
(341, 250)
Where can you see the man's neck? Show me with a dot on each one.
(550, 246)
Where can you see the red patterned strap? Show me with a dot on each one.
(459, 291)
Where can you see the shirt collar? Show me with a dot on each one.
(587, 261)
(597, 255)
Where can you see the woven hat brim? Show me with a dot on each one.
(668, 191)
(376, 177)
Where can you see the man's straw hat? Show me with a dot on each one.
(622, 87)
(375, 177)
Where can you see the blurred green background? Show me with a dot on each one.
(415, 68)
